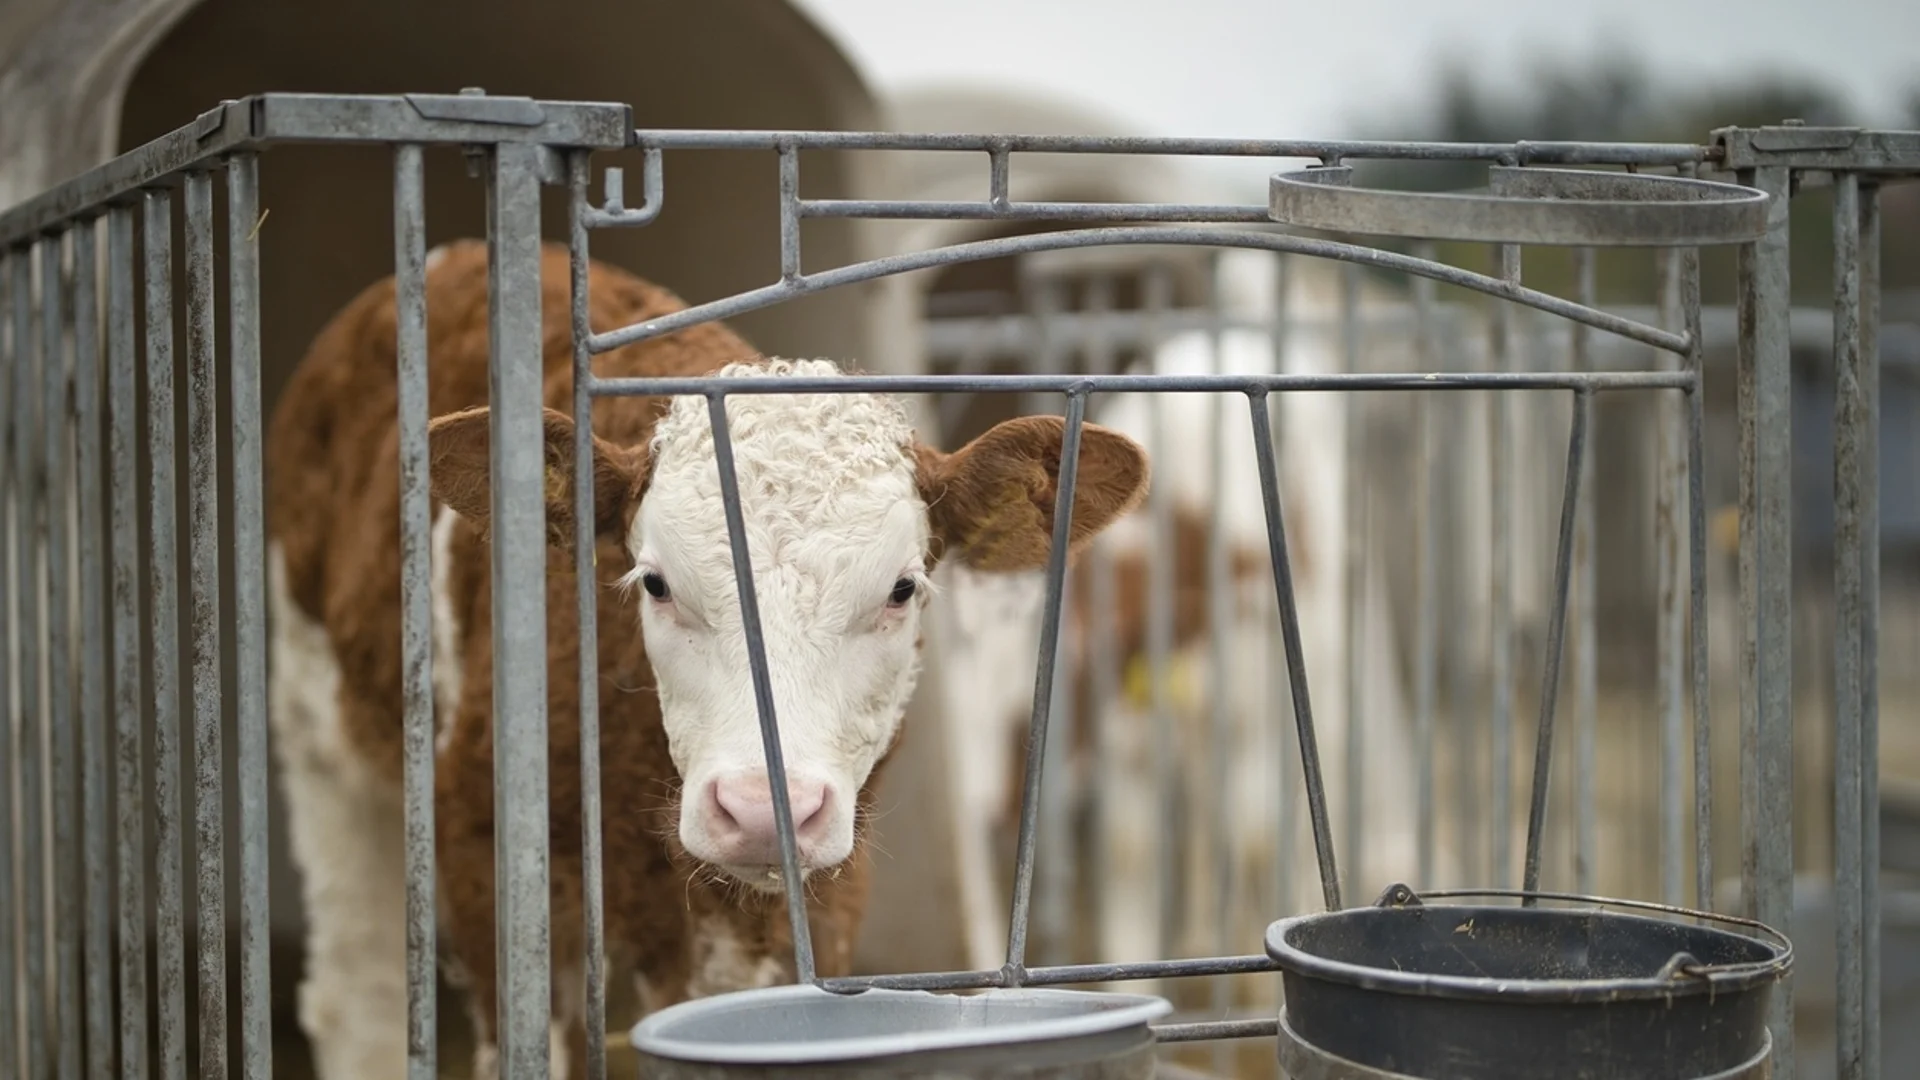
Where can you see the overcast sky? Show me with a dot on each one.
(1288, 69)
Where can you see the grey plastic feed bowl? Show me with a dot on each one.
(806, 1032)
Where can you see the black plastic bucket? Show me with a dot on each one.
(1407, 988)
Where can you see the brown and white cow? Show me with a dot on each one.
(847, 514)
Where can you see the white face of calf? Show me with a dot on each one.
(845, 515)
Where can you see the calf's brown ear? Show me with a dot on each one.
(991, 503)
(457, 452)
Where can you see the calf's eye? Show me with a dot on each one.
(655, 585)
(903, 591)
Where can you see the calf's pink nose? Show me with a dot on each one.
(744, 823)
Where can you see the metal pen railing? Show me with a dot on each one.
(60, 1006)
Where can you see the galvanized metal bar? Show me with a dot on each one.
(249, 609)
(96, 841)
(592, 874)
(29, 525)
(1426, 540)
(262, 119)
(1053, 879)
(1596, 382)
(9, 735)
(1586, 638)
(1766, 584)
(1353, 573)
(1500, 480)
(1043, 686)
(989, 210)
(1102, 642)
(1208, 1030)
(1795, 146)
(1670, 481)
(518, 466)
(164, 615)
(1870, 625)
(123, 436)
(1220, 601)
(1466, 671)
(1296, 662)
(1556, 639)
(203, 517)
(1696, 468)
(1011, 334)
(62, 729)
(1278, 679)
(1176, 235)
(763, 690)
(1535, 153)
(790, 213)
(1158, 296)
(1066, 974)
(416, 606)
(1849, 809)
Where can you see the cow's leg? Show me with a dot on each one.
(466, 918)
(345, 827)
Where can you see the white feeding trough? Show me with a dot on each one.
(808, 1033)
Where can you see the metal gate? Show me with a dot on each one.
(98, 578)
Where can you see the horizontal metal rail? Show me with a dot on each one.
(1514, 153)
(263, 120)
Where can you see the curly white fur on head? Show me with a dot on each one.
(838, 536)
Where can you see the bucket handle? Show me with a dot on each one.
(1400, 894)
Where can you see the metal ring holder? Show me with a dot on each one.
(1404, 988)
(1557, 207)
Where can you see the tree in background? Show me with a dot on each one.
(1612, 96)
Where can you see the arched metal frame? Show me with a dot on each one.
(523, 145)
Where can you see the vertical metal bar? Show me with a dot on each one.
(1426, 642)
(416, 604)
(157, 221)
(14, 728)
(1697, 581)
(1353, 572)
(1296, 662)
(1043, 686)
(1556, 638)
(1766, 584)
(1870, 624)
(29, 487)
(1500, 481)
(587, 585)
(95, 840)
(1046, 296)
(1586, 639)
(1278, 672)
(123, 437)
(763, 691)
(203, 528)
(1849, 811)
(789, 213)
(249, 607)
(1158, 298)
(518, 466)
(1670, 621)
(61, 730)
(1102, 645)
(57, 389)
(1220, 601)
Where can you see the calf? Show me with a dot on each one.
(847, 514)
